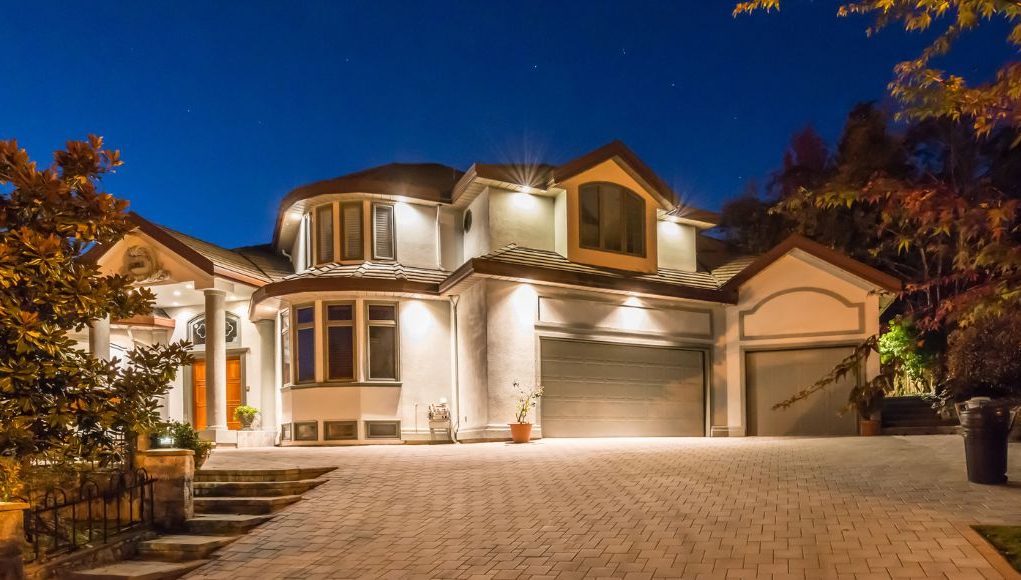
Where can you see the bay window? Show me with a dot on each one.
(351, 231)
(382, 341)
(383, 232)
(324, 234)
(351, 218)
(305, 344)
(285, 346)
(340, 342)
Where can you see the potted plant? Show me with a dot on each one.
(521, 430)
(245, 414)
(984, 383)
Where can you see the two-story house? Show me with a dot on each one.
(404, 285)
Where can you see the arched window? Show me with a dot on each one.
(612, 219)
(197, 330)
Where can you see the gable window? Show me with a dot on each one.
(383, 232)
(285, 346)
(612, 219)
(305, 344)
(324, 234)
(382, 341)
(351, 229)
(340, 342)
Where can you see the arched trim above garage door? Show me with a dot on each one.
(830, 315)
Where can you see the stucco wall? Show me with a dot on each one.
(676, 246)
(416, 235)
(451, 238)
(520, 218)
(472, 361)
(476, 240)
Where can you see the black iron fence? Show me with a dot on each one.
(102, 507)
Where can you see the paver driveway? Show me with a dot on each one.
(683, 508)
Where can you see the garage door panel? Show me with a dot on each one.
(773, 376)
(612, 390)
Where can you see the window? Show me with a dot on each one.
(340, 339)
(383, 232)
(324, 234)
(305, 344)
(382, 338)
(340, 430)
(466, 224)
(612, 219)
(351, 220)
(197, 329)
(382, 429)
(285, 346)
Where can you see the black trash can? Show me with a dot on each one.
(985, 442)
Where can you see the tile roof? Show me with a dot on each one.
(257, 262)
(374, 270)
(531, 257)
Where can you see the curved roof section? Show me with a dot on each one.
(426, 181)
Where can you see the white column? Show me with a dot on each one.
(216, 360)
(99, 338)
(268, 373)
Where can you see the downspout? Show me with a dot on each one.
(456, 399)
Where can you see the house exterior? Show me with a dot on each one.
(406, 285)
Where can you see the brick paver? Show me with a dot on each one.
(882, 507)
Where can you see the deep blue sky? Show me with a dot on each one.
(220, 108)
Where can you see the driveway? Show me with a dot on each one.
(852, 507)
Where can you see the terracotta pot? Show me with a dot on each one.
(869, 427)
(521, 432)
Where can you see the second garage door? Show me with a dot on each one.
(599, 389)
(773, 376)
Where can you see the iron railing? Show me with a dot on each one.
(100, 509)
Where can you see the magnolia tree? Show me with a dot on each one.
(58, 403)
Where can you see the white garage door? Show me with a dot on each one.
(598, 389)
(774, 376)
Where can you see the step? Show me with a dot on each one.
(291, 474)
(137, 570)
(182, 547)
(254, 488)
(224, 524)
(243, 505)
(927, 430)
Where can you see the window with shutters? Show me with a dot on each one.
(324, 234)
(351, 247)
(340, 341)
(304, 344)
(383, 232)
(381, 322)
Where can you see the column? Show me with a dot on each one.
(268, 373)
(99, 338)
(216, 360)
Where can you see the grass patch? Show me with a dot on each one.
(1006, 539)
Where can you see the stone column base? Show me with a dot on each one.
(174, 470)
(12, 540)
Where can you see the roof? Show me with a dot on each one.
(547, 266)
(618, 150)
(365, 276)
(255, 265)
(426, 181)
(839, 259)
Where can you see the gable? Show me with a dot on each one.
(147, 261)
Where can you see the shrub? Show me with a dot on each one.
(246, 414)
(10, 479)
(186, 437)
(984, 358)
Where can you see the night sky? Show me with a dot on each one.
(220, 108)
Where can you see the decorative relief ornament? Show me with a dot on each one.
(141, 265)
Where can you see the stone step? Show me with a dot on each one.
(224, 524)
(137, 570)
(926, 430)
(243, 505)
(182, 548)
(254, 488)
(291, 474)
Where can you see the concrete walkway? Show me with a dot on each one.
(883, 507)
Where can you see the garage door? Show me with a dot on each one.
(598, 389)
(774, 376)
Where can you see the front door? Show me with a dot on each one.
(198, 382)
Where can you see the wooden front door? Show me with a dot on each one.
(198, 382)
